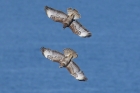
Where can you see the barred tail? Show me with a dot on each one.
(70, 52)
(73, 12)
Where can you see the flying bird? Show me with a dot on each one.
(68, 20)
(65, 60)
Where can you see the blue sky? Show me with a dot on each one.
(110, 58)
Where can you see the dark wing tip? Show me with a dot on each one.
(46, 7)
(42, 49)
(89, 35)
(85, 79)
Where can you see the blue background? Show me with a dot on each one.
(110, 58)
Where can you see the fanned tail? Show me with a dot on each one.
(73, 12)
(69, 52)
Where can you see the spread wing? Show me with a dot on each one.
(70, 53)
(78, 29)
(55, 15)
(75, 71)
(52, 55)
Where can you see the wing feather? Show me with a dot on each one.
(75, 71)
(52, 55)
(55, 15)
(72, 68)
(78, 29)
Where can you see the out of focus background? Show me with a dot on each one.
(110, 58)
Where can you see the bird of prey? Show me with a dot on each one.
(68, 20)
(65, 60)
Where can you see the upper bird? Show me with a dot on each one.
(68, 20)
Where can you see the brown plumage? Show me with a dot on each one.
(68, 20)
(65, 60)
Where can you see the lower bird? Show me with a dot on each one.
(65, 60)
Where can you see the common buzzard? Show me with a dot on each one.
(65, 60)
(68, 20)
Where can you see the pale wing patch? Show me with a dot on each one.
(56, 15)
(47, 53)
(76, 72)
(57, 56)
(49, 13)
(78, 29)
(81, 76)
(52, 55)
